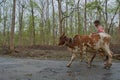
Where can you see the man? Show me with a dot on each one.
(98, 26)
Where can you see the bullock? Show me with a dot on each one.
(82, 44)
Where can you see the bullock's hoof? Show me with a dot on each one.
(108, 66)
(89, 66)
(81, 60)
(68, 66)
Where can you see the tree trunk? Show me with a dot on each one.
(0, 14)
(85, 19)
(42, 26)
(20, 23)
(78, 12)
(119, 26)
(71, 24)
(66, 20)
(60, 17)
(53, 22)
(119, 18)
(98, 10)
(12, 27)
(4, 30)
(33, 27)
(42, 19)
(106, 15)
(48, 27)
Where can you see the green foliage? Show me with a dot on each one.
(70, 3)
(94, 5)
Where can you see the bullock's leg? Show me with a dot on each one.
(106, 58)
(72, 59)
(81, 57)
(94, 55)
(102, 54)
(108, 61)
(84, 53)
(91, 60)
(88, 63)
(109, 54)
(88, 59)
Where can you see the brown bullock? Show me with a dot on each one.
(82, 44)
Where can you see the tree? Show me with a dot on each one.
(111, 23)
(42, 21)
(32, 24)
(66, 20)
(85, 18)
(119, 18)
(5, 20)
(60, 17)
(78, 12)
(21, 8)
(48, 24)
(53, 21)
(12, 27)
(106, 15)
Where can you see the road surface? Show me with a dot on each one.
(31, 69)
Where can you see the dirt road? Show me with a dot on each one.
(29, 69)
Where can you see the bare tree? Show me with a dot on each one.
(85, 18)
(66, 20)
(71, 24)
(119, 25)
(53, 22)
(60, 17)
(42, 21)
(106, 15)
(12, 27)
(47, 23)
(0, 14)
(119, 19)
(78, 12)
(21, 7)
(5, 20)
(32, 26)
(111, 23)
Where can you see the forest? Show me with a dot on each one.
(41, 22)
